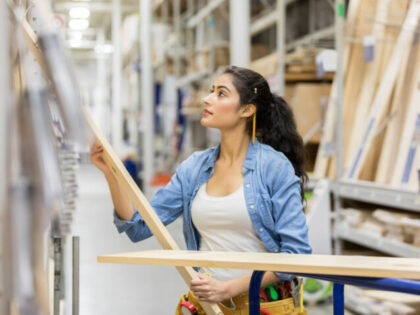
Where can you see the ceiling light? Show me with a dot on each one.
(79, 13)
(76, 35)
(78, 24)
(104, 49)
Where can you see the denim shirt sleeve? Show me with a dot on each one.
(290, 221)
(167, 203)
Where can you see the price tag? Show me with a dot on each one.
(368, 48)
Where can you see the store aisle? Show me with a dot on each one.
(110, 289)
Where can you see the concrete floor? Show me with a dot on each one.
(110, 289)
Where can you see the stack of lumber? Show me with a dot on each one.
(381, 105)
(393, 225)
(367, 301)
(300, 65)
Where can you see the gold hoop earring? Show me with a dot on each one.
(254, 123)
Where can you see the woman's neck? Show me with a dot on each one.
(233, 147)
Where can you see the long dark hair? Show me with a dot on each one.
(275, 121)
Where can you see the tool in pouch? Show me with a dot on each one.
(296, 289)
(188, 308)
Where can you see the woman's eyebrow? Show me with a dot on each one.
(223, 87)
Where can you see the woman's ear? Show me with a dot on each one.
(248, 110)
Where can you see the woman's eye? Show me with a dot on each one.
(221, 94)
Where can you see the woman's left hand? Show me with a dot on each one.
(207, 289)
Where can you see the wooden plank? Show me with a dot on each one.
(127, 183)
(405, 166)
(363, 266)
(323, 154)
(397, 11)
(364, 99)
(400, 105)
(385, 89)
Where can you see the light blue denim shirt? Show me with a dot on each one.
(272, 195)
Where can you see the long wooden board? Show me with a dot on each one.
(362, 266)
(324, 154)
(144, 208)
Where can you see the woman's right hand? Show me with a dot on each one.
(97, 159)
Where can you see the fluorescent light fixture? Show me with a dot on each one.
(75, 43)
(76, 35)
(104, 49)
(78, 24)
(79, 13)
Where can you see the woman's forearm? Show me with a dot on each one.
(122, 203)
(241, 284)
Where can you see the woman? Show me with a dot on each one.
(245, 194)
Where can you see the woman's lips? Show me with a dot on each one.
(206, 112)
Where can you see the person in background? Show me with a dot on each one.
(246, 194)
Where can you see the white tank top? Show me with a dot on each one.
(224, 225)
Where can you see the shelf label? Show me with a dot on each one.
(368, 48)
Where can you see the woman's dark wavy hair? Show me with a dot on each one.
(275, 121)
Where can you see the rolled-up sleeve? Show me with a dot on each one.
(167, 203)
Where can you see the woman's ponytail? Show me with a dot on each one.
(276, 127)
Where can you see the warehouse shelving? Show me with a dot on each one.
(376, 242)
(378, 194)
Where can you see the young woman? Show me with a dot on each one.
(246, 194)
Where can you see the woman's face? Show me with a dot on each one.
(221, 106)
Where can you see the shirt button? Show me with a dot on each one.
(276, 250)
(261, 229)
(252, 206)
(248, 185)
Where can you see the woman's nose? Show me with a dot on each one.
(205, 99)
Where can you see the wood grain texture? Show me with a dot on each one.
(400, 106)
(143, 206)
(384, 91)
(363, 266)
(323, 158)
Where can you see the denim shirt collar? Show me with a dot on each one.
(249, 161)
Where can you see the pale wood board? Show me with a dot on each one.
(363, 266)
(384, 91)
(397, 11)
(400, 106)
(322, 158)
(405, 166)
(364, 100)
(152, 220)
(354, 76)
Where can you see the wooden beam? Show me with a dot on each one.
(323, 154)
(385, 89)
(361, 266)
(152, 220)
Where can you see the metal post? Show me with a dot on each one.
(58, 274)
(116, 77)
(239, 33)
(281, 44)
(338, 292)
(254, 292)
(76, 274)
(147, 89)
(4, 129)
(339, 78)
(177, 26)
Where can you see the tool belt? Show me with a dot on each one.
(274, 300)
